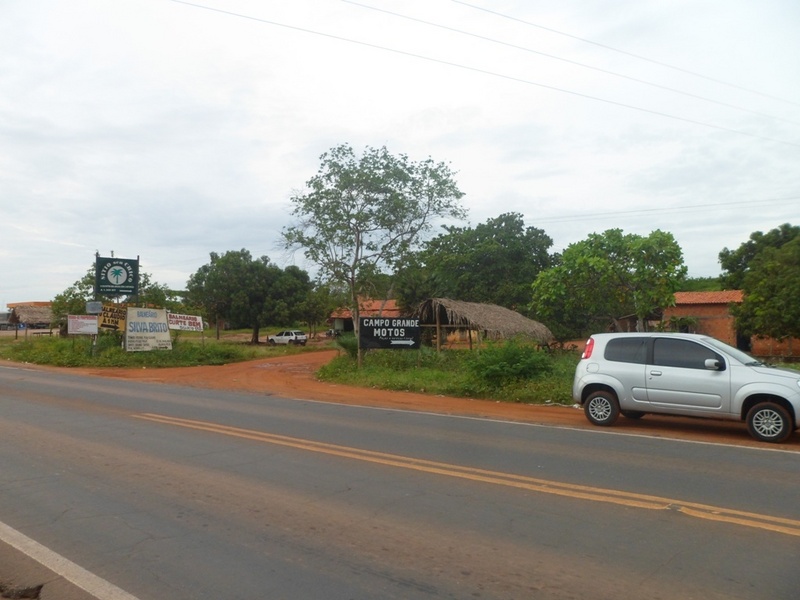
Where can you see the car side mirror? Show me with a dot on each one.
(712, 364)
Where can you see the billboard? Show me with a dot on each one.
(116, 276)
(147, 329)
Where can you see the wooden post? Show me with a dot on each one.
(438, 332)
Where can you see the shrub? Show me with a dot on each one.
(348, 343)
(502, 364)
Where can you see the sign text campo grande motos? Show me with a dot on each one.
(386, 332)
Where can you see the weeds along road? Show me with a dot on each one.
(175, 492)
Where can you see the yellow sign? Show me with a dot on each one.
(113, 317)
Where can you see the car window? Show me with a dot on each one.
(627, 349)
(682, 353)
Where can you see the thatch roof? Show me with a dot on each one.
(495, 321)
(31, 314)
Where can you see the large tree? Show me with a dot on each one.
(737, 263)
(607, 276)
(494, 262)
(248, 292)
(771, 285)
(361, 216)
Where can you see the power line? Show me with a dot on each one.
(569, 61)
(490, 73)
(631, 54)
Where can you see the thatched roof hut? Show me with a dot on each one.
(31, 315)
(495, 322)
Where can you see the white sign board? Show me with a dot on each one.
(147, 329)
(82, 324)
(185, 322)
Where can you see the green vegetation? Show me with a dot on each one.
(361, 214)
(509, 372)
(505, 372)
(188, 351)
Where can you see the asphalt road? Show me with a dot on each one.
(179, 493)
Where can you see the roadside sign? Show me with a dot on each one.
(184, 322)
(116, 276)
(94, 307)
(392, 333)
(81, 325)
(112, 317)
(147, 329)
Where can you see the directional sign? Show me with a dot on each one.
(384, 332)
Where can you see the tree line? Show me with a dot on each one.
(366, 222)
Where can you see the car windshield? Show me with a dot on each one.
(742, 357)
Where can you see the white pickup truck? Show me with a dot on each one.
(288, 337)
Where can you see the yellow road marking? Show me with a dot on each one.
(583, 492)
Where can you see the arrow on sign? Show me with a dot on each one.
(402, 342)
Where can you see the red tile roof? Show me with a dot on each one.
(370, 308)
(724, 297)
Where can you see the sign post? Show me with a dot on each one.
(116, 276)
(389, 333)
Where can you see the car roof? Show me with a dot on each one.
(649, 334)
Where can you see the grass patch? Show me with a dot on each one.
(79, 351)
(454, 373)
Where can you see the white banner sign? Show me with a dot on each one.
(82, 324)
(147, 329)
(185, 322)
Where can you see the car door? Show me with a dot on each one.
(679, 380)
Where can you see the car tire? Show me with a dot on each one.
(271, 342)
(632, 414)
(601, 408)
(769, 422)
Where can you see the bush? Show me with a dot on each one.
(503, 364)
(349, 343)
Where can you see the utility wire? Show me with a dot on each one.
(490, 73)
(569, 61)
(631, 54)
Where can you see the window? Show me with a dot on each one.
(627, 349)
(682, 353)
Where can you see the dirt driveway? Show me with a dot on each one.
(293, 376)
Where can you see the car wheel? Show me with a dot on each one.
(632, 414)
(601, 408)
(271, 342)
(769, 422)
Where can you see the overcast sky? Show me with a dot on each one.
(168, 130)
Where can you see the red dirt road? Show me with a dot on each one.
(293, 377)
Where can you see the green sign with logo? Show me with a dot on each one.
(116, 276)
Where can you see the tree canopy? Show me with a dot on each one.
(771, 286)
(493, 263)
(608, 276)
(249, 292)
(737, 263)
(363, 215)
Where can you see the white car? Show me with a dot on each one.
(288, 337)
(633, 374)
